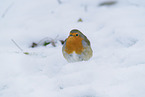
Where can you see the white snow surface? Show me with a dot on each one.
(116, 33)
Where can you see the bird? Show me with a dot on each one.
(77, 47)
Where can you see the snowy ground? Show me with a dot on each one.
(117, 35)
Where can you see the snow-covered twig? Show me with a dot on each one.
(5, 12)
(17, 45)
(26, 53)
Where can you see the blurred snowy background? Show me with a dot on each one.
(115, 28)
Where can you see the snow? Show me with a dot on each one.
(117, 68)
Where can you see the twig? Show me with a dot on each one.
(54, 40)
(5, 12)
(17, 45)
(56, 37)
(26, 53)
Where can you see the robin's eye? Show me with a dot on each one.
(70, 35)
(77, 34)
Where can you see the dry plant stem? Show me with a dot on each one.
(5, 12)
(17, 45)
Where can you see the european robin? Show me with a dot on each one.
(77, 47)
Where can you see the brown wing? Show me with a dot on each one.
(85, 38)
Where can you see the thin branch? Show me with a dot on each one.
(17, 45)
(6, 11)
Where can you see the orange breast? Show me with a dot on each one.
(74, 44)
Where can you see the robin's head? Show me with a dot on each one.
(75, 36)
(74, 33)
(78, 34)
